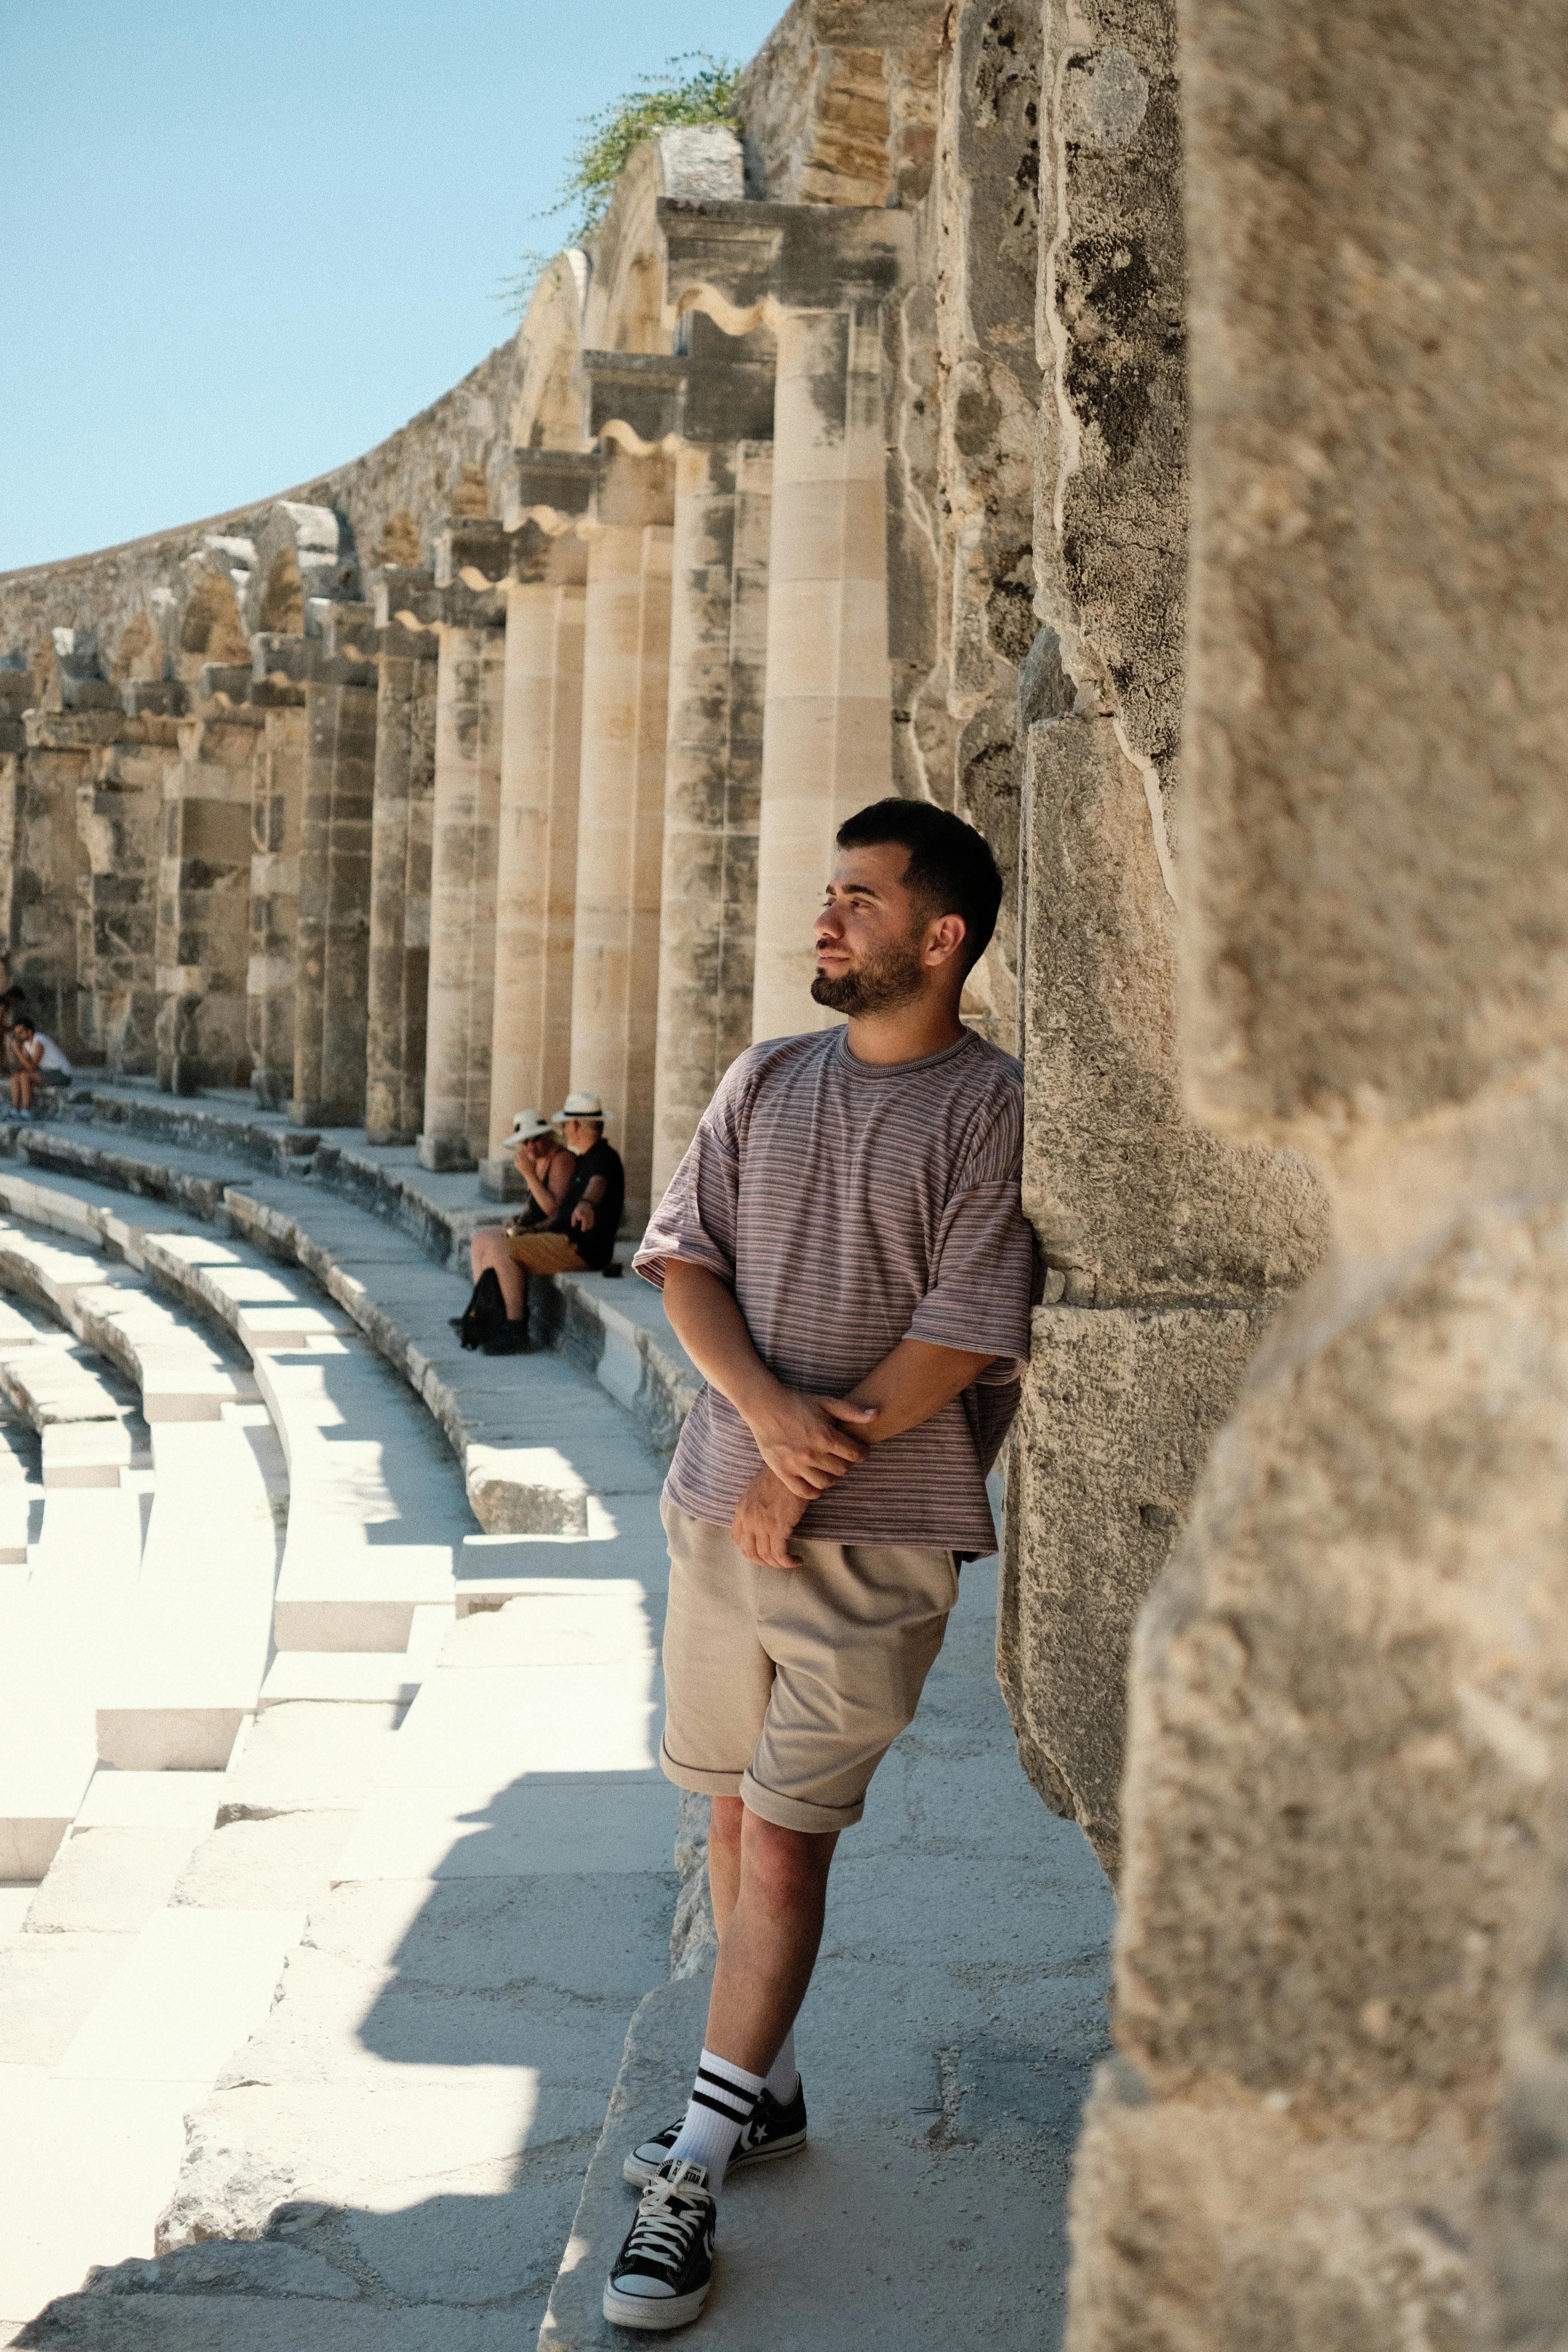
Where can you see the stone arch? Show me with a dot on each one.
(545, 411)
(139, 653)
(312, 545)
(283, 597)
(399, 543)
(212, 626)
(472, 499)
(625, 307)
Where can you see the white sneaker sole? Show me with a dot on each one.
(655, 2314)
(637, 2174)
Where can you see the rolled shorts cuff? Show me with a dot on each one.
(792, 1812)
(693, 1777)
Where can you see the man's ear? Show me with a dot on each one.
(946, 938)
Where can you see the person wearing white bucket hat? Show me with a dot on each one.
(546, 1167)
(577, 1236)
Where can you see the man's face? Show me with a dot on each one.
(871, 935)
(581, 1134)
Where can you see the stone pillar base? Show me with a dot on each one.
(444, 1155)
(499, 1178)
(325, 1114)
(388, 1138)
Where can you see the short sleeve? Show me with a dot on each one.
(984, 1260)
(696, 1220)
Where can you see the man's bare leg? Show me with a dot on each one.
(489, 1248)
(770, 1890)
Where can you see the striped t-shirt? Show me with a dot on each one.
(849, 1205)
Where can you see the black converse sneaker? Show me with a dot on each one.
(777, 2128)
(661, 2276)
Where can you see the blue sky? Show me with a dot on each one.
(243, 244)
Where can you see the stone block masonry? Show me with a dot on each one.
(1139, 431)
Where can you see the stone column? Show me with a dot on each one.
(1335, 2119)
(68, 732)
(818, 277)
(399, 963)
(203, 899)
(120, 825)
(536, 880)
(333, 953)
(827, 721)
(278, 786)
(718, 662)
(626, 663)
(469, 691)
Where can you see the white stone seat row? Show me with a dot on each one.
(371, 1531)
(111, 1654)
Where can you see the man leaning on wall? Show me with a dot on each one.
(844, 1256)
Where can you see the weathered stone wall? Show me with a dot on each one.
(1349, 1694)
(969, 432)
(1164, 1248)
(402, 492)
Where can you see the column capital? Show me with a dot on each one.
(742, 264)
(633, 398)
(549, 487)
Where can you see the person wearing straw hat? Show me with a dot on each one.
(577, 1237)
(545, 1165)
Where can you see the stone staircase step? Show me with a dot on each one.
(282, 1864)
(192, 1986)
(40, 1789)
(110, 1880)
(151, 1801)
(344, 1677)
(47, 1985)
(87, 1453)
(303, 1754)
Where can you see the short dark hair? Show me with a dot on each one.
(951, 866)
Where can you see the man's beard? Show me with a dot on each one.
(885, 981)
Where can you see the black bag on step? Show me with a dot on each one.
(484, 1316)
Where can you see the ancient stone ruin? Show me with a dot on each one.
(1143, 432)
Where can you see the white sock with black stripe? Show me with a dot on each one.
(720, 2109)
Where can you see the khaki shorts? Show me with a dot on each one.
(788, 1686)
(544, 1253)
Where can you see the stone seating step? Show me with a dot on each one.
(63, 1631)
(182, 1372)
(21, 1494)
(373, 1522)
(54, 1382)
(196, 1640)
(87, 1453)
(188, 1668)
(367, 1227)
(343, 1583)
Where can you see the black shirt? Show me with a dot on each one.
(597, 1245)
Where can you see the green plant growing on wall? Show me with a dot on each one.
(666, 101)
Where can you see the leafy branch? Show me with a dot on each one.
(669, 99)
